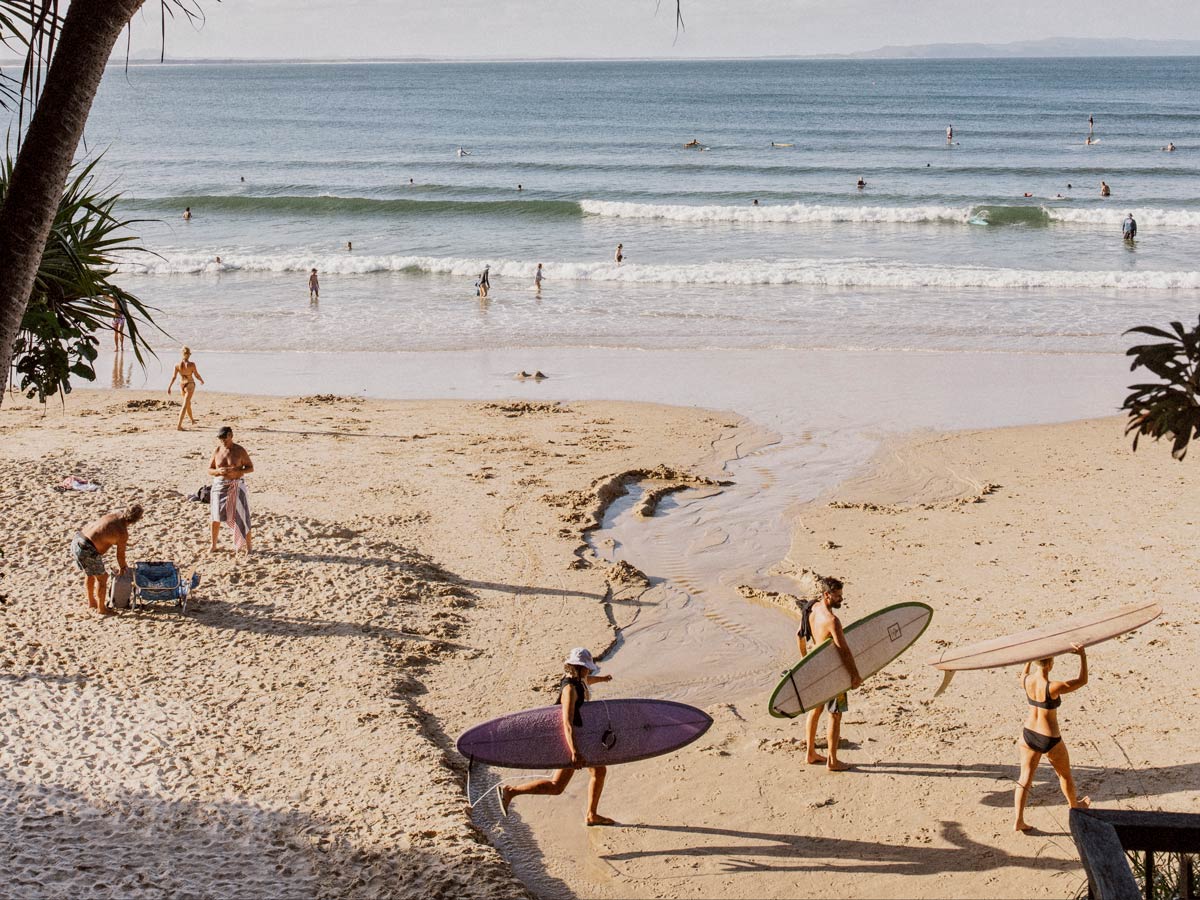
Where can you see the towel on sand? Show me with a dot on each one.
(231, 505)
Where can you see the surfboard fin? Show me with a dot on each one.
(946, 676)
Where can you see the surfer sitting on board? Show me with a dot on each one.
(572, 693)
(1040, 735)
(819, 622)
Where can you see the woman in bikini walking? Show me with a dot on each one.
(1040, 736)
(188, 375)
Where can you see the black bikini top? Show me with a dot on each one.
(1048, 703)
(581, 695)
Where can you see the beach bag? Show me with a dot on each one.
(120, 589)
(204, 495)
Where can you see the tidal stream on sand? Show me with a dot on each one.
(814, 418)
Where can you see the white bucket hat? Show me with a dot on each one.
(581, 656)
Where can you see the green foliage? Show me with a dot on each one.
(1169, 407)
(1169, 873)
(74, 296)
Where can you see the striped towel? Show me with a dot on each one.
(231, 505)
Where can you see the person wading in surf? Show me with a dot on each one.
(572, 694)
(1041, 736)
(819, 622)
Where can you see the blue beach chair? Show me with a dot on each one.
(160, 582)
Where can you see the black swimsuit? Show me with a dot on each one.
(580, 689)
(1041, 743)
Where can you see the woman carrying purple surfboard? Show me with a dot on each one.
(572, 693)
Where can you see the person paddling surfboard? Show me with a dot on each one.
(573, 692)
(818, 622)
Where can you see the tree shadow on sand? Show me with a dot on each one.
(423, 567)
(57, 842)
(758, 851)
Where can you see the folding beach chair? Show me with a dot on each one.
(160, 582)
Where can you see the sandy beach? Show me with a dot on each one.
(997, 530)
(276, 740)
(422, 566)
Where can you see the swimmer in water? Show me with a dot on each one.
(620, 254)
(1105, 191)
(949, 134)
(1170, 148)
(861, 183)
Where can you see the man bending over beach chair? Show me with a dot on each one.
(230, 502)
(818, 622)
(91, 543)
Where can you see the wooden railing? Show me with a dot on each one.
(1104, 836)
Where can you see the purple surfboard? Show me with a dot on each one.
(613, 731)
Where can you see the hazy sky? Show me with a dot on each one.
(621, 28)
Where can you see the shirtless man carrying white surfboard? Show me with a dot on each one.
(819, 622)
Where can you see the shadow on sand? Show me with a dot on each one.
(759, 851)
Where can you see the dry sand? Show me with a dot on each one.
(420, 568)
(275, 742)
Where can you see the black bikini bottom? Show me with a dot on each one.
(1039, 743)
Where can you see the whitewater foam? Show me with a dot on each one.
(852, 272)
(801, 213)
(790, 213)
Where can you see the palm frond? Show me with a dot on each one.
(74, 294)
(1170, 407)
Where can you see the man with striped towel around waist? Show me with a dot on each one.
(230, 502)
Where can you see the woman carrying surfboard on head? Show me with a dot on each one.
(572, 694)
(1041, 736)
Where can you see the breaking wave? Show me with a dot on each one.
(855, 272)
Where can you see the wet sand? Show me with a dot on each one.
(998, 531)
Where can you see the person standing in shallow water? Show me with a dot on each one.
(1041, 737)
(118, 326)
(573, 692)
(314, 287)
(620, 254)
(818, 622)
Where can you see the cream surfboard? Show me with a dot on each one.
(1046, 640)
(874, 641)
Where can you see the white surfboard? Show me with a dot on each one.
(874, 641)
(1045, 641)
(1048, 640)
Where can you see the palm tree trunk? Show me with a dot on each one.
(89, 32)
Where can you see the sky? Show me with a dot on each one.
(456, 29)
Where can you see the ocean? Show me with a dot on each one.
(941, 250)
